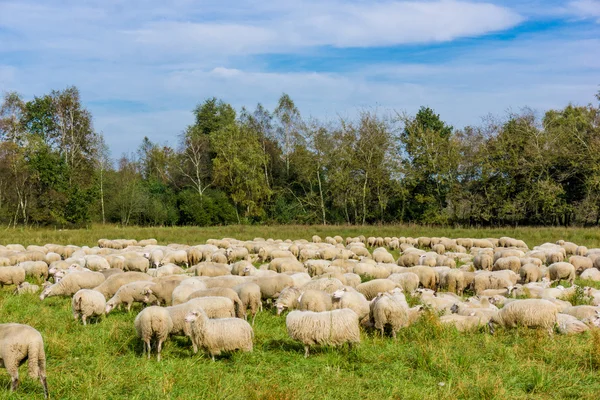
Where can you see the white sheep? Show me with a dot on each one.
(357, 302)
(153, 322)
(110, 286)
(249, 294)
(287, 299)
(329, 327)
(532, 313)
(128, 294)
(72, 283)
(371, 288)
(87, 303)
(19, 343)
(26, 287)
(569, 325)
(11, 276)
(389, 309)
(213, 306)
(315, 300)
(220, 334)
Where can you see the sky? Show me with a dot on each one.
(142, 65)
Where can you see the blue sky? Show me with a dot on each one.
(142, 65)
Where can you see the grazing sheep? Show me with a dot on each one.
(372, 288)
(231, 294)
(581, 312)
(454, 281)
(213, 306)
(532, 313)
(35, 269)
(168, 269)
(512, 263)
(329, 327)
(185, 288)
(26, 287)
(562, 270)
(218, 335)
(581, 263)
(353, 300)
(136, 264)
(20, 343)
(271, 286)
(153, 322)
(110, 286)
(427, 276)
(381, 255)
(287, 299)
(161, 292)
(530, 273)
(328, 285)
(178, 257)
(249, 294)
(315, 300)
(389, 309)
(407, 281)
(87, 303)
(211, 269)
(591, 274)
(11, 276)
(128, 294)
(464, 323)
(569, 325)
(73, 282)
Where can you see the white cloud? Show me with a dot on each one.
(585, 8)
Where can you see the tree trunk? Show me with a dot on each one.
(321, 195)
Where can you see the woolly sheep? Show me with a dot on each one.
(35, 269)
(329, 327)
(454, 281)
(532, 313)
(226, 281)
(213, 306)
(315, 300)
(161, 292)
(569, 325)
(562, 270)
(581, 263)
(370, 289)
(26, 287)
(389, 309)
(218, 335)
(530, 273)
(110, 286)
(353, 300)
(211, 269)
(271, 286)
(287, 299)
(407, 281)
(186, 287)
(591, 274)
(179, 257)
(20, 343)
(249, 294)
(512, 263)
(128, 294)
(72, 283)
(87, 303)
(153, 322)
(136, 264)
(427, 276)
(11, 276)
(300, 278)
(381, 254)
(222, 292)
(168, 269)
(464, 323)
(581, 312)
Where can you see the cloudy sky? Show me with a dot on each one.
(142, 65)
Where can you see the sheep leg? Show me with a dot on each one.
(83, 317)
(394, 334)
(44, 385)
(306, 351)
(149, 348)
(159, 348)
(253, 318)
(14, 382)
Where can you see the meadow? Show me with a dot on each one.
(426, 361)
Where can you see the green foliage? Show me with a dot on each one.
(212, 208)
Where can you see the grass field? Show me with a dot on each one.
(426, 361)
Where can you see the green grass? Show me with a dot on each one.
(426, 361)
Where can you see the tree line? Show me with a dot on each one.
(276, 166)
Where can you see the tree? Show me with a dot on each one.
(213, 115)
(195, 163)
(289, 126)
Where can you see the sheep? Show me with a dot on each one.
(168, 269)
(249, 294)
(494, 280)
(328, 285)
(72, 283)
(532, 313)
(179, 257)
(26, 287)
(427, 276)
(11, 276)
(152, 322)
(356, 301)
(87, 303)
(569, 325)
(381, 255)
(213, 306)
(211, 269)
(581, 312)
(334, 327)
(110, 286)
(591, 274)
(186, 287)
(286, 264)
(302, 278)
(287, 299)
(96, 263)
(389, 309)
(128, 294)
(237, 253)
(136, 264)
(161, 292)
(194, 255)
(231, 294)
(530, 273)
(218, 335)
(20, 343)
(454, 281)
(512, 263)
(464, 323)
(314, 300)
(271, 286)
(35, 269)
(562, 270)
(581, 263)
(226, 281)
(407, 281)
(372, 288)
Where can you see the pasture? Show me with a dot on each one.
(426, 361)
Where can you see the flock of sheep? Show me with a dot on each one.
(332, 288)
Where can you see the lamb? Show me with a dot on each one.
(249, 294)
(87, 303)
(73, 282)
(271, 286)
(11, 276)
(562, 270)
(569, 325)
(372, 288)
(315, 300)
(19, 343)
(532, 313)
(110, 286)
(26, 287)
(329, 327)
(218, 335)
(288, 299)
(128, 294)
(389, 309)
(213, 306)
(353, 300)
(153, 322)
(464, 323)
(231, 294)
